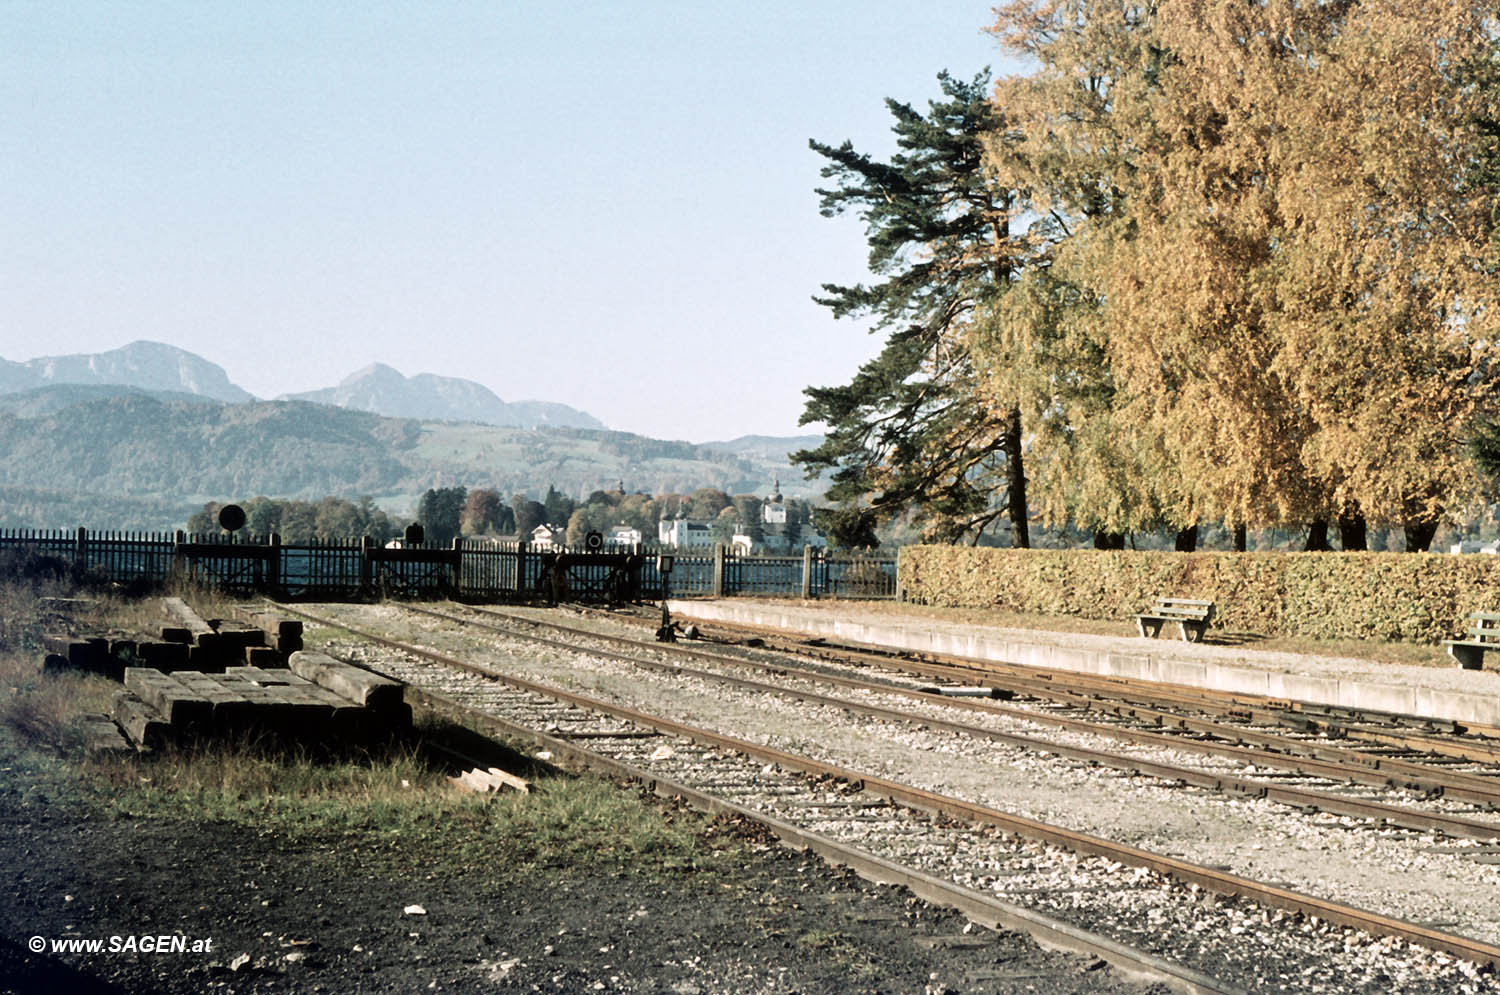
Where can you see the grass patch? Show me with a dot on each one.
(842, 949)
(395, 804)
(398, 805)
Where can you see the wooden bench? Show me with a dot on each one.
(1484, 634)
(1190, 615)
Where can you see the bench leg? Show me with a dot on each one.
(1192, 632)
(1468, 657)
(1148, 630)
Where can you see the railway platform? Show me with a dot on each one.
(1440, 692)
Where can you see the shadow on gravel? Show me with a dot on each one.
(24, 973)
(488, 752)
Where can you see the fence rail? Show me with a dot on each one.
(346, 569)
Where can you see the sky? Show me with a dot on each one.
(608, 205)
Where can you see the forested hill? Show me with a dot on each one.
(110, 462)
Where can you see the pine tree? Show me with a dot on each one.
(914, 429)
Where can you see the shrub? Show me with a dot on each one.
(1392, 597)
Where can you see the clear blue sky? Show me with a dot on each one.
(605, 204)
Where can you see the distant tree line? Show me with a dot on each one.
(302, 521)
(451, 511)
(448, 512)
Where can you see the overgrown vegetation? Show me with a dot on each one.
(395, 803)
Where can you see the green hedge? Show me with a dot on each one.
(1394, 597)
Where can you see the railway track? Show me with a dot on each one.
(1416, 734)
(968, 853)
(1413, 751)
(1460, 826)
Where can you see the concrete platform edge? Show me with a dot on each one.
(1390, 697)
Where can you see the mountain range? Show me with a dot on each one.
(377, 388)
(385, 391)
(147, 365)
(170, 432)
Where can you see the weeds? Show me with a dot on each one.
(395, 804)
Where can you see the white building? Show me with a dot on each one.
(549, 537)
(622, 535)
(777, 535)
(684, 533)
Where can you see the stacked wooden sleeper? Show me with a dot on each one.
(322, 700)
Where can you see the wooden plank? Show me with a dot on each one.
(101, 736)
(268, 677)
(145, 726)
(510, 780)
(355, 683)
(235, 636)
(269, 712)
(489, 781)
(177, 704)
(203, 635)
(264, 657)
(178, 611)
(284, 633)
(231, 710)
(176, 634)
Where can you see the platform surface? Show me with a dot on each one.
(1446, 692)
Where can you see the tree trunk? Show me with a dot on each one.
(1241, 538)
(1187, 539)
(1016, 471)
(1317, 537)
(1353, 533)
(1419, 535)
(1109, 540)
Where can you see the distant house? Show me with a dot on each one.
(1475, 546)
(549, 537)
(622, 535)
(684, 533)
(777, 535)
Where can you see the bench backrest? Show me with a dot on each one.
(1191, 608)
(1484, 627)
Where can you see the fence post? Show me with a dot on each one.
(179, 561)
(522, 547)
(455, 569)
(716, 587)
(807, 592)
(366, 574)
(900, 589)
(80, 549)
(638, 563)
(273, 563)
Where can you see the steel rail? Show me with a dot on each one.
(1107, 695)
(1303, 798)
(978, 907)
(1281, 711)
(1311, 757)
(1219, 882)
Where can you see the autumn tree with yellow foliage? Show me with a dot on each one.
(1264, 295)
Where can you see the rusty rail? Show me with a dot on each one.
(1219, 882)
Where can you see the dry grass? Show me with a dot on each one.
(394, 799)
